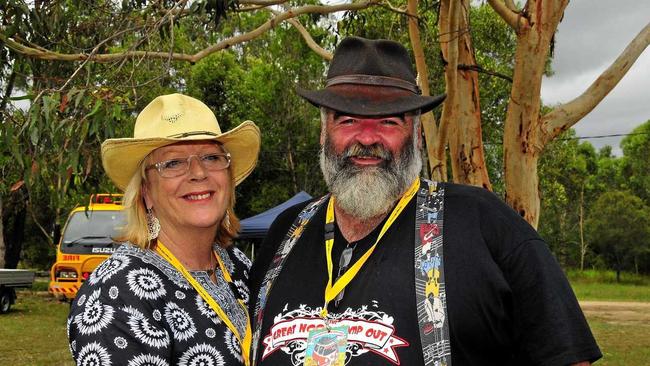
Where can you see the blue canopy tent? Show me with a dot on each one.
(255, 227)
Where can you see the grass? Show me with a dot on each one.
(594, 276)
(33, 332)
(622, 344)
(611, 292)
(40, 284)
(602, 286)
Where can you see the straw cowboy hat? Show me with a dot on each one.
(173, 118)
(371, 78)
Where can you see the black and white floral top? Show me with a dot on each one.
(136, 309)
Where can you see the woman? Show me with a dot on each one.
(175, 292)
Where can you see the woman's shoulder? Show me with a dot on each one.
(139, 272)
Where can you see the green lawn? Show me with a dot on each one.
(602, 286)
(33, 332)
(611, 292)
(622, 344)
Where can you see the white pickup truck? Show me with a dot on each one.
(10, 280)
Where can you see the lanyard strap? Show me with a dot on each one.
(331, 291)
(246, 340)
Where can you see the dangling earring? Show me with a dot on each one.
(153, 225)
(226, 220)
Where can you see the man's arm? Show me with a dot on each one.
(583, 363)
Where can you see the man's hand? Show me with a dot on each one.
(583, 363)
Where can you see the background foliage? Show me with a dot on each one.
(54, 115)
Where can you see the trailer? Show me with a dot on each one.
(10, 280)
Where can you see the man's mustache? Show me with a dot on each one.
(367, 151)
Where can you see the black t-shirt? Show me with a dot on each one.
(508, 301)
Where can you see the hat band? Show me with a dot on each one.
(192, 133)
(373, 80)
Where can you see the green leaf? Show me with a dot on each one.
(23, 97)
(93, 128)
(84, 130)
(117, 112)
(79, 97)
(17, 155)
(48, 105)
(98, 104)
(74, 160)
(34, 135)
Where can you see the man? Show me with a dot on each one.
(371, 276)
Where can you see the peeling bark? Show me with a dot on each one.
(465, 137)
(448, 25)
(428, 121)
(526, 132)
(522, 143)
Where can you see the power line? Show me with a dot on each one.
(488, 143)
(602, 136)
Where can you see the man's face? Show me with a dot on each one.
(368, 162)
(389, 132)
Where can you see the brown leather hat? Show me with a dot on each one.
(371, 78)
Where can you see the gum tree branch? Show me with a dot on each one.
(227, 43)
(511, 5)
(568, 114)
(510, 16)
(395, 9)
(308, 38)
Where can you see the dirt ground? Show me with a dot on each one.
(615, 312)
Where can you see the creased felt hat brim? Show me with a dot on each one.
(364, 106)
(122, 157)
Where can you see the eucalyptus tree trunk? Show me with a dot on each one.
(521, 147)
(448, 27)
(465, 135)
(15, 230)
(527, 132)
(460, 123)
(583, 244)
(3, 248)
(437, 163)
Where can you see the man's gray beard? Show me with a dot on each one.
(366, 192)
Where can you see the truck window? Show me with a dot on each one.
(89, 232)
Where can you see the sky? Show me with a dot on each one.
(591, 36)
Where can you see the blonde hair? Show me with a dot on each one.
(136, 231)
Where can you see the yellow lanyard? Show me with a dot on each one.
(331, 291)
(247, 339)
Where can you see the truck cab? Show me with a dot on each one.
(88, 238)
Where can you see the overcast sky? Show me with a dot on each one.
(592, 34)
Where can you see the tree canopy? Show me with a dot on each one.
(76, 73)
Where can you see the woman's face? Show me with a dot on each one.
(194, 200)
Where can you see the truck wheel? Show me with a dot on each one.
(5, 301)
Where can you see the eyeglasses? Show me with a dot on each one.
(176, 167)
(344, 262)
